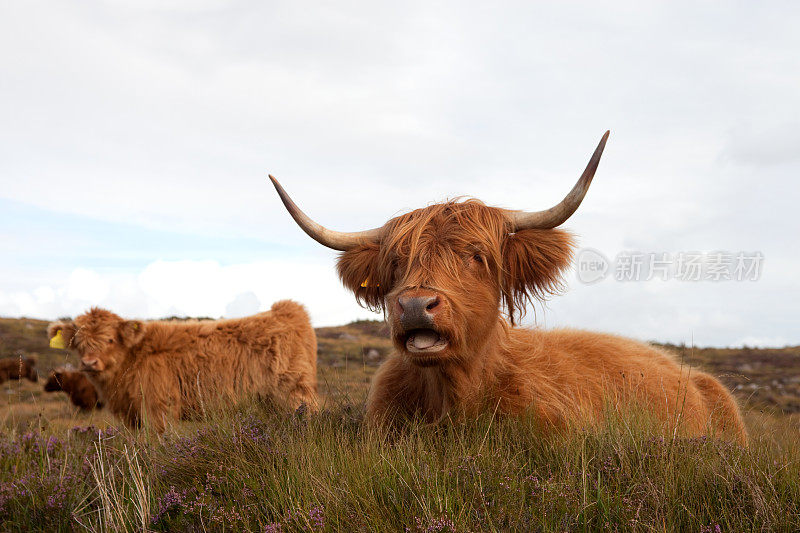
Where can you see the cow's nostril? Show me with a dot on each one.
(417, 311)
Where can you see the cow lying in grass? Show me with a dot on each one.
(157, 371)
(80, 390)
(444, 274)
(18, 368)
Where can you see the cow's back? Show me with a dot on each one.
(261, 354)
(187, 367)
(589, 372)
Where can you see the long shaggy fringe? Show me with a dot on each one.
(526, 265)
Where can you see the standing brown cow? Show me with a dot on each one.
(442, 275)
(163, 370)
(18, 368)
(80, 390)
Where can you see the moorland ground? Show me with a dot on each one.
(251, 468)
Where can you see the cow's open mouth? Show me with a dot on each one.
(425, 341)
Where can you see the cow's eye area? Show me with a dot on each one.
(110, 341)
(475, 258)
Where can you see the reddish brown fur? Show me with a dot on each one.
(163, 370)
(465, 254)
(18, 368)
(80, 390)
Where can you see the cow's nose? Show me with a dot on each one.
(418, 311)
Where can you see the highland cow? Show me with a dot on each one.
(80, 390)
(157, 371)
(444, 275)
(18, 368)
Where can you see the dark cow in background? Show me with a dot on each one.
(169, 370)
(18, 368)
(80, 390)
(444, 274)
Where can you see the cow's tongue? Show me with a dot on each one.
(424, 339)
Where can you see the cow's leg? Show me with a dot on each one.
(393, 394)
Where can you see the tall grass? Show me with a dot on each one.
(253, 469)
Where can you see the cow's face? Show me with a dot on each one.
(441, 274)
(102, 339)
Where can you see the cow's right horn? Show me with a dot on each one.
(337, 240)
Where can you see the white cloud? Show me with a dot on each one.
(193, 288)
(246, 303)
(83, 285)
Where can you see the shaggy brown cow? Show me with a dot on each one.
(18, 368)
(160, 370)
(80, 390)
(442, 275)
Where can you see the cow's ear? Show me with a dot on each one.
(533, 264)
(131, 332)
(67, 329)
(359, 270)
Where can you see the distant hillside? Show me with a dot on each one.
(26, 336)
(763, 378)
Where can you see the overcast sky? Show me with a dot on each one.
(136, 138)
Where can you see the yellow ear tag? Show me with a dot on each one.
(58, 341)
(365, 284)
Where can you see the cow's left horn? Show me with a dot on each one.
(557, 215)
(337, 240)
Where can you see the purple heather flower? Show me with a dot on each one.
(317, 517)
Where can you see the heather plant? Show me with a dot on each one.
(251, 469)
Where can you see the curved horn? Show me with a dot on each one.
(332, 239)
(558, 214)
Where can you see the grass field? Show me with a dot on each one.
(253, 469)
